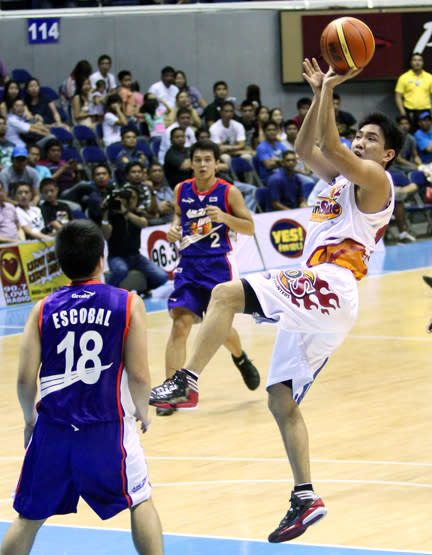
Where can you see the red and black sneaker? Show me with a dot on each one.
(178, 392)
(306, 509)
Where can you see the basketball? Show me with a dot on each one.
(347, 43)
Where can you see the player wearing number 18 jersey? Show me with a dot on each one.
(87, 343)
(208, 214)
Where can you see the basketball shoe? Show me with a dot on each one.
(248, 371)
(178, 392)
(306, 509)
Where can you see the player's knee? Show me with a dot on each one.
(181, 327)
(229, 296)
(280, 403)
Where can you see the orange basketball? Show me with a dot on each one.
(347, 43)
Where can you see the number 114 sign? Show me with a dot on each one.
(43, 30)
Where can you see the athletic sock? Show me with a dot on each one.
(190, 374)
(304, 491)
(238, 359)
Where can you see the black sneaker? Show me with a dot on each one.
(180, 392)
(248, 371)
(165, 411)
(306, 509)
(428, 280)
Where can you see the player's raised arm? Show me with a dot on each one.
(28, 368)
(136, 361)
(305, 144)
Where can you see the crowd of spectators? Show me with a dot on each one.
(143, 143)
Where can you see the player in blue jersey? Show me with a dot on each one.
(86, 345)
(209, 211)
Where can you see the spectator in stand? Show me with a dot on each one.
(121, 227)
(138, 97)
(262, 117)
(136, 175)
(34, 156)
(291, 131)
(253, 94)
(212, 111)
(177, 165)
(4, 74)
(413, 90)
(184, 118)
(10, 94)
(19, 130)
(195, 97)
(30, 216)
(6, 147)
(230, 135)
(129, 106)
(269, 152)
(285, 185)
(408, 158)
(164, 194)
(165, 90)
(64, 173)
(128, 153)
(80, 72)
(55, 212)
(403, 189)
(97, 104)
(20, 172)
(423, 137)
(182, 101)
(277, 116)
(103, 184)
(81, 102)
(114, 120)
(344, 120)
(104, 65)
(152, 116)
(303, 105)
(41, 108)
(248, 121)
(10, 228)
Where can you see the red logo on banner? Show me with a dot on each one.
(287, 237)
(13, 278)
(162, 252)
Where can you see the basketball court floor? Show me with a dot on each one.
(220, 476)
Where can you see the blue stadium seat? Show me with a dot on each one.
(62, 135)
(49, 93)
(146, 148)
(92, 155)
(262, 196)
(84, 136)
(70, 153)
(20, 75)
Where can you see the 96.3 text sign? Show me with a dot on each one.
(43, 30)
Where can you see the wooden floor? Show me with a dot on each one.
(221, 470)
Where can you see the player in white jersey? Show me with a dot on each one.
(316, 305)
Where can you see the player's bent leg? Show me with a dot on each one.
(146, 529)
(20, 536)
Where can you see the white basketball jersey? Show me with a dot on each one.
(340, 233)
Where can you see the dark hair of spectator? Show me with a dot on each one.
(153, 165)
(100, 82)
(78, 90)
(23, 184)
(228, 103)
(247, 103)
(82, 70)
(112, 99)
(131, 165)
(6, 97)
(393, 137)
(268, 123)
(205, 145)
(253, 93)
(127, 129)
(150, 105)
(79, 246)
(402, 118)
(52, 142)
(135, 86)
(181, 111)
(107, 168)
(103, 57)
(173, 131)
(416, 54)
(167, 69)
(200, 131)
(33, 145)
(219, 84)
(123, 73)
(47, 181)
(304, 101)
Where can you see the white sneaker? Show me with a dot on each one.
(406, 237)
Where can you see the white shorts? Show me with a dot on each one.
(315, 308)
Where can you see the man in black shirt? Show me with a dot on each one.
(177, 165)
(55, 213)
(212, 111)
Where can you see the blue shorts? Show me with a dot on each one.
(194, 280)
(102, 463)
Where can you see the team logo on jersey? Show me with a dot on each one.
(213, 199)
(287, 237)
(307, 289)
(84, 295)
(187, 200)
(325, 209)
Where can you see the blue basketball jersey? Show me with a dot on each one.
(201, 236)
(83, 328)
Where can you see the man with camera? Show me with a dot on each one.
(122, 222)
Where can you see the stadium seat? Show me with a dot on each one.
(146, 148)
(262, 196)
(92, 155)
(49, 93)
(84, 136)
(70, 153)
(240, 166)
(20, 75)
(62, 135)
(307, 188)
(155, 143)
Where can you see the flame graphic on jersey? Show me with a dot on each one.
(306, 287)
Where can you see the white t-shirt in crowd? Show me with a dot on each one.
(15, 126)
(230, 135)
(109, 80)
(168, 94)
(31, 217)
(111, 129)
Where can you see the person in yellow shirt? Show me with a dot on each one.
(413, 90)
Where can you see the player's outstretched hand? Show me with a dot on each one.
(332, 78)
(312, 74)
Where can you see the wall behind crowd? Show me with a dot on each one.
(238, 46)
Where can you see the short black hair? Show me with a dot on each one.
(52, 142)
(105, 166)
(131, 165)
(47, 181)
(290, 122)
(123, 73)
(104, 57)
(247, 103)
(304, 101)
(393, 137)
(268, 123)
(228, 103)
(174, 130)
(201, 130)
(205, 144)
(167, 69)
(184, 110)
(79, 246)
(218, 84)
(127, 129)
